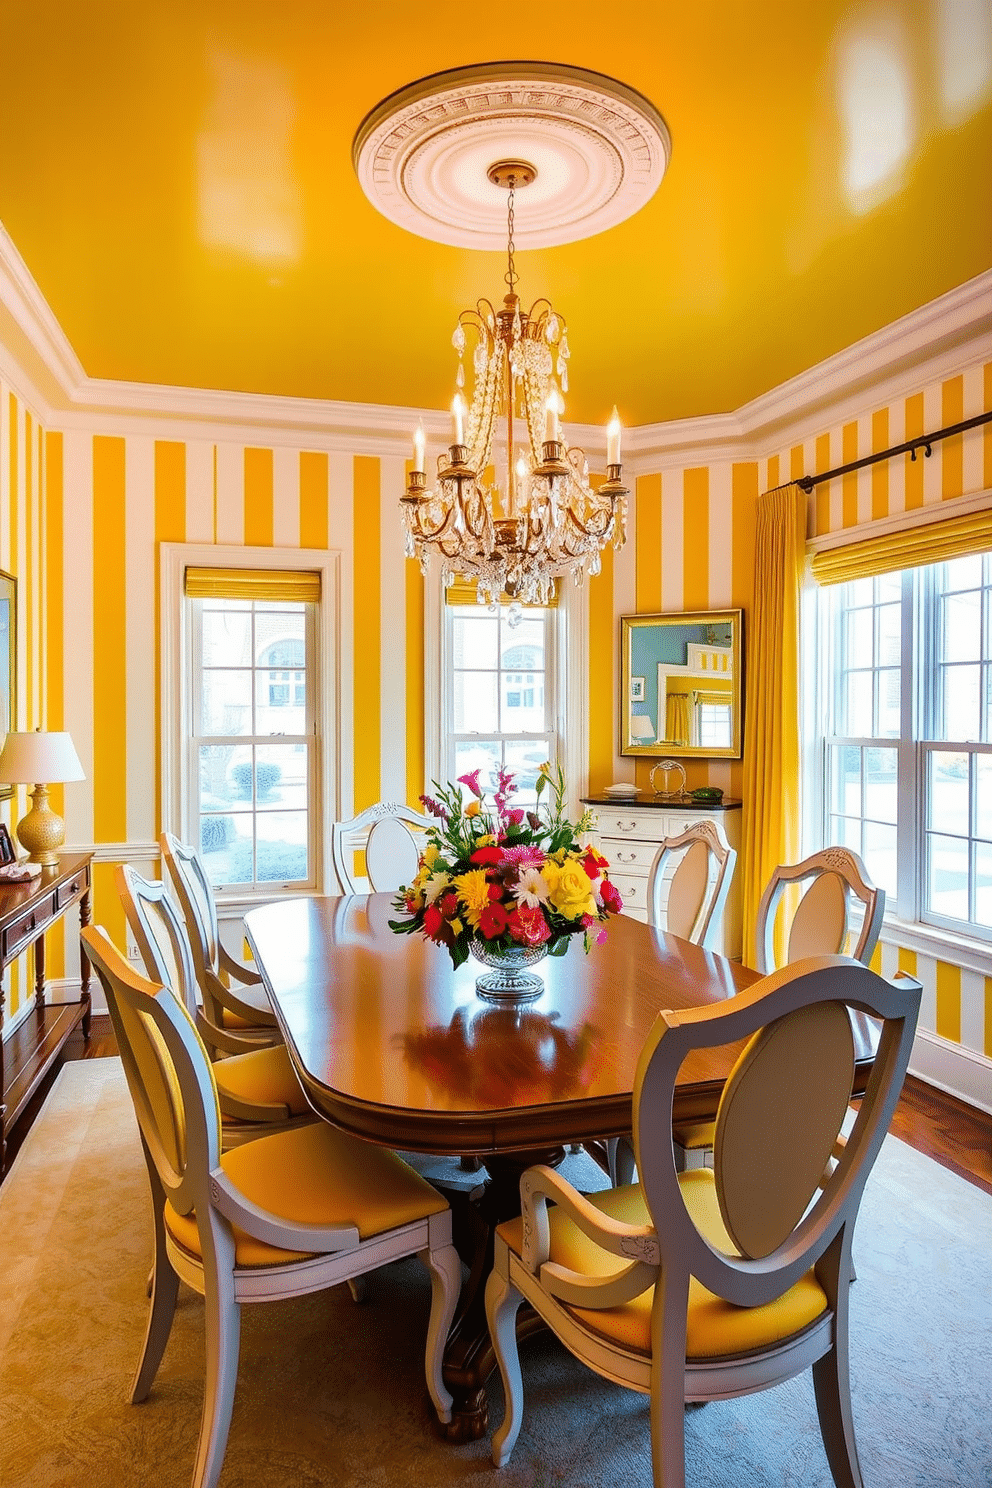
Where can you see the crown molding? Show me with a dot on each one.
(931, 343)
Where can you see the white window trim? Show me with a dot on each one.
(900, 925)
(174, 559)
(571, 671)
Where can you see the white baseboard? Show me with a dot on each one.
(953, 1069)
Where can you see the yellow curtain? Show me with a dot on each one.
(926, 542)
(678, 723)
(770, 826)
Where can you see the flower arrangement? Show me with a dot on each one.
(506, 876)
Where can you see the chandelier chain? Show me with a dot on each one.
(511, 276)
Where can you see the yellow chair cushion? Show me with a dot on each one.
(316, 1175)
(265, 1075)
(715, 1328)
(694, 1135)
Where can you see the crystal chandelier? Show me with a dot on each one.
(545, 521)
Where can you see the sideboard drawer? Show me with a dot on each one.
(627, 824)
(630, 856)
(26, 928)
(73, 888)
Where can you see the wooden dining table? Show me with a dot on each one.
(393, 1044)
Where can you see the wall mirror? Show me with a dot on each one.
(681, 684)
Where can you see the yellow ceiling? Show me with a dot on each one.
(178, 179)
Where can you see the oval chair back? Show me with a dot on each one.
(820, 923)
(698, 889)
(388, 834)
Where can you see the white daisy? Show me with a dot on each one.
(532, 888)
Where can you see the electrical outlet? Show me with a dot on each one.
(133, 954)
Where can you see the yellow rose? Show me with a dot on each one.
(569, 889)
(473, 808)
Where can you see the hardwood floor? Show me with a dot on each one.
(955, 1135)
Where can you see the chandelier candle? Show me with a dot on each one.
(546, 522)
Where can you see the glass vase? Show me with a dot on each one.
(509, 981)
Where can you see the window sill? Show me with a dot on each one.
(944, 945)
(232, 903)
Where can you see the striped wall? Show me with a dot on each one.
(82, 515)
(24, 549)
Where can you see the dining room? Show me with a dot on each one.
(319, 546)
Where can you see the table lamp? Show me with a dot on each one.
(37, 757)
(641, 727)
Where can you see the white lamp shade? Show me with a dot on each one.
(641, 727)
(39, 759)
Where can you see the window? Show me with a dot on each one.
(906, 690)
(499, 692)
(249, 727)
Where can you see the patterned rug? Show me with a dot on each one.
(330, 1393)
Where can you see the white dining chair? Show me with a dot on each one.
(390, 834)
(706, 1285)
(283, 1216)
(819, 926)
(232, 992)
(690, 901)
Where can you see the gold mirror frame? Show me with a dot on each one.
(700, 651)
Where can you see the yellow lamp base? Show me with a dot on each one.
(41, 832)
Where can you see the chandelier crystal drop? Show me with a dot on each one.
(543, 521)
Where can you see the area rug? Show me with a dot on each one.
(332, 1393)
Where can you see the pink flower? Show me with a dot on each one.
(472, 781)
(528, 926)
(524, 857)
(609, 896)
(515, 816)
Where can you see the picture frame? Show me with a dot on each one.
(637, 689)
(8, 662)
(7, 852)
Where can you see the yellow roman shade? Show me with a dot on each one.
(461, 592)
(925, 542)
(277, 586)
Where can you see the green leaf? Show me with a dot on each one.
(558, 947)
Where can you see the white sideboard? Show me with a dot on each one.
(628, 834)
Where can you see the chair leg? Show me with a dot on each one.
(502, 1303)
(164, 1289)
(223, 1324)
(446, 1282)
(832, 1387)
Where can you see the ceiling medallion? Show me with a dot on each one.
(599, 149)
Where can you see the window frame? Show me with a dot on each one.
(568, 657)
(915, 745)
(178, 797)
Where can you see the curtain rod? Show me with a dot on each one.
(922, 441)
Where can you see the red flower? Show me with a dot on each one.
(610, 896)
(486, 857)
(492, 921)
(433, 920)
(528, 926)
(593, 863)
(495, 891)
(449, 905)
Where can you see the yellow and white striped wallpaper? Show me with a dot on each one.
(83, 515)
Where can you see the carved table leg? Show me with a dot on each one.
(468, 1357)
(84, 966)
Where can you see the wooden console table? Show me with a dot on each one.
(27, 910)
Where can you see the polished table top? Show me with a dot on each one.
(395, 1045)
